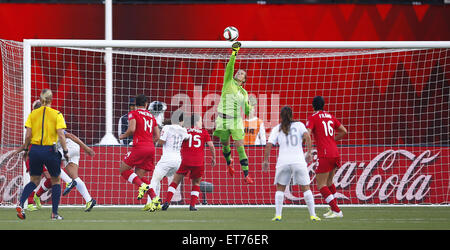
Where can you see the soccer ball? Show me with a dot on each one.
(231, 33)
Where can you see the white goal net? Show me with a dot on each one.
(392, 98)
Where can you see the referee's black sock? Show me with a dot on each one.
(56, 195)
(27, 190)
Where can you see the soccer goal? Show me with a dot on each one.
(393, 98)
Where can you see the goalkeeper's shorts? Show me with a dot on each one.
(224, 134)
(226, 127)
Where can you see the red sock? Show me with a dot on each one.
(171, 190)
(152, 193)
(329, 198)
(30, 198)
(47, 185)
(131, 177)
(332, 189)
(194, 194)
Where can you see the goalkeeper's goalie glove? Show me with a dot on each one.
(235, 47)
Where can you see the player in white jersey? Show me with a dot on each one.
(71, 167)
(171, 139)
(291, 162)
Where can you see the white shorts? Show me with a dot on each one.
(74, 153)
(167, 167)
(297, 171)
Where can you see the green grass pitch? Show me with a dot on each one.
(229, 218)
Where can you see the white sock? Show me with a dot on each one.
(65, 177)
(41, 184)
(309, 199)
(155, 183)
(279, 199)
(82, 189)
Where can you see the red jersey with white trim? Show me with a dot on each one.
(323, 126)
(145, 124)
(193, 149)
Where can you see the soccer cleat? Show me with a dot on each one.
(149, 206)
(277, 218)
(314, 218)
(248, 180)
(20, 213)
(328, 213)
(142, 190)
(155, 204)
(192, 208)
(69, 186)
(37, 201)
(90, 205)
(335, 215)
(230, 168)
(165, 206)
(30, 207)
(56, 217)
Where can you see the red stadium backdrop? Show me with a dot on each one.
(375, 174)
(277, 22)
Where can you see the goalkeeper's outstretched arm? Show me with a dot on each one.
(228, 77)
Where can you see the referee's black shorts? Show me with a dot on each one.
(44, 155)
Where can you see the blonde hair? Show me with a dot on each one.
(46, 97)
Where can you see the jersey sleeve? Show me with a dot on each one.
(310, 123)
(28, 123)
(155, 122)
(336, 123)
(186, 135)
(164, 133)
(273, 138)
(229, 70)
(206, 136)
(302, 129)
(60, 122)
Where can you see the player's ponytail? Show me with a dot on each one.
(286, 119)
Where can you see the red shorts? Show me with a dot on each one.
(196, 171)
(328, 164)
(142, 157)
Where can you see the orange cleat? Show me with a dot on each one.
(248, 180)
(20, 213)
(230, 168)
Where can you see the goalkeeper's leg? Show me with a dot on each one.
(224, 136)
(238, 137)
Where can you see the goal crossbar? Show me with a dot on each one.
(245, 44)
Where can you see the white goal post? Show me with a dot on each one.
(391, 95)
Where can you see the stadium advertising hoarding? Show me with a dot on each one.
(368, 175)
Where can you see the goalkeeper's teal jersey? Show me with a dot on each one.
(232, 99)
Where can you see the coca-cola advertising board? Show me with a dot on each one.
(368, 175)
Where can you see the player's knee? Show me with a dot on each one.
(55, 180)
(304, 188)
(244, 162)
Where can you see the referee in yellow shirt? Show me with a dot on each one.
(44, 127)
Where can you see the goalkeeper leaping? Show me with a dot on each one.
(229, 120)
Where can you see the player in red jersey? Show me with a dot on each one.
(192, 153)
(322, 125)
(144, 129)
